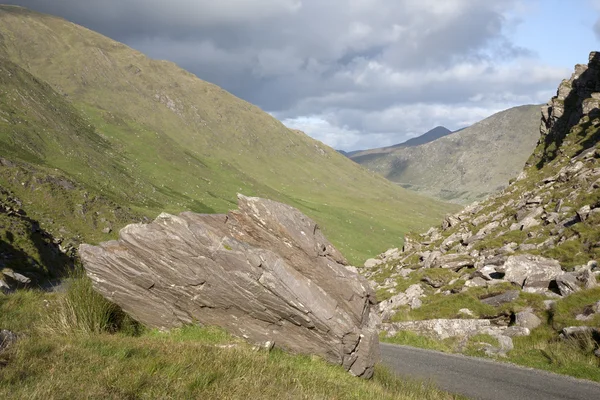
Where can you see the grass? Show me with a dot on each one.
(103, 360)
(543, 349)
(408, 338)
(113, 133)
(445, 306)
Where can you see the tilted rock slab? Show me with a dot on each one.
(264, 272)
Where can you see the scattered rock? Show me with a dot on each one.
(527, 319)
(503, 298)
(476, 282)
(264, 272)
(584, 212)
(520, 268)
(567, 284)
(107, 230)
(410, 297)
(513, 331)
(488, 273)
(15, 276)
(439, 328)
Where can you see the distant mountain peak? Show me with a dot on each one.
(429, 136)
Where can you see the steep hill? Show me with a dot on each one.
(523, 262)
(467, 165)
(115, 137)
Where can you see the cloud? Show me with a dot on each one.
(352, 72)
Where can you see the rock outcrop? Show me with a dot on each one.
(540, 235)
(264, 272)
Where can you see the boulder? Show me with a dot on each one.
(567, 284)
(518, 269)
(503, 298)
(454, 262)
(527, 319)
(264, 272)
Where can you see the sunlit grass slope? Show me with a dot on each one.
(150, 137)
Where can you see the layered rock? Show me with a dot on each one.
(264, 272)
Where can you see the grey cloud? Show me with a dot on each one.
(345, 60)
(597, 29)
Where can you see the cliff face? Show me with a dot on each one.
(541, 235)
(576, 98)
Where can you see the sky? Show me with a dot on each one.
(358, 74)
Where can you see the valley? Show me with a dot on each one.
(162, 238)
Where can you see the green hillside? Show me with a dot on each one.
(105, 136)
(466, 166)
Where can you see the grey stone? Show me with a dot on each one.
(409, 297)
(17, 277)
(454, 262)
(476, 282)
(513, 331)
(488, 273)
(264, 272)
(107, 230)
(584, 212)
(440, 328)
(573, 331)
(503, 298)
(527, 319)
(567, 284)
(430, 259)
(519, 268)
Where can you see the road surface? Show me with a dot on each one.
(485, 379)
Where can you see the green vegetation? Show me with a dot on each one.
(465, 166)
(412, 339)
(96, 129)
(110, 360)
(442, 306)
(543, 349)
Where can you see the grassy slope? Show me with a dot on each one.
(466, 165)
(192, 362)
(151, 136)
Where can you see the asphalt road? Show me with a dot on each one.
(485, 379)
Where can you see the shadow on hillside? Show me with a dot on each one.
(582, 88)
(51, 264)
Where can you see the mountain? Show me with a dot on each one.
(429, 136)
(95, 135)
(518, 272)
(470, 164)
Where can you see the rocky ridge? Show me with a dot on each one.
(516, 254)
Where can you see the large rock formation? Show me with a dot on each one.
(264, 272)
